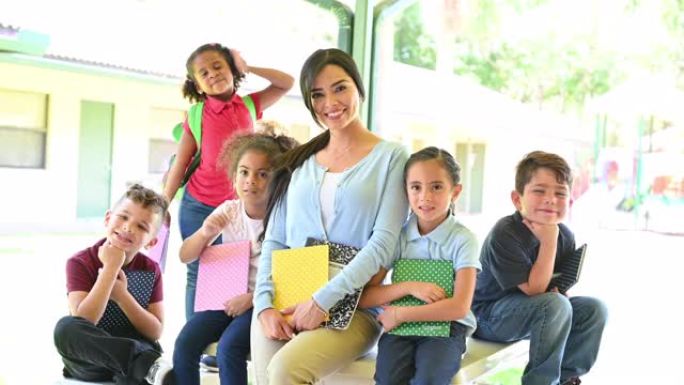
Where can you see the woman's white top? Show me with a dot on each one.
(328, 191)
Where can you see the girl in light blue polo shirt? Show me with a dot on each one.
(431, 179)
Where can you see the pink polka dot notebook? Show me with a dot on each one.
(223, 273)
(158, 252)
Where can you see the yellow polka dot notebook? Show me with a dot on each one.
(298, 273)
(439, 272)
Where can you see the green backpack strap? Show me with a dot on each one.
(177, 132)
(195, 122)
(249, 103)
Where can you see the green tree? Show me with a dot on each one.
(412, 45)
(541, 68)
(673, 19)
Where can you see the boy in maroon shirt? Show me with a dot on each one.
(115, 299)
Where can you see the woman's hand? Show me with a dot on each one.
(307, 315)
(389, 318)
(426, 291)
(238, 305)
(275, 326)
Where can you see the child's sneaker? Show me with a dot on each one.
(160, 373)
(209, 363)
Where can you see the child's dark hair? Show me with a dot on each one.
(293, 159)
(271, 144)
(433, 153)
(190, 86)
(540, 159)
(147, 198)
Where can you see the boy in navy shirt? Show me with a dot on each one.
(518, 256)
(115, 299)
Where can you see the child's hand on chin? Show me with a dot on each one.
(111, 255)
(543, 232)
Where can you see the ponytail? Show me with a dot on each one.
(289, 162)
(190, 91)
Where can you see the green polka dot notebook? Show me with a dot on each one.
(439, 272)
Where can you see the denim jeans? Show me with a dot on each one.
(564, 333)
(204, 328)
(191, 216)
(91, 354)
(420, 360)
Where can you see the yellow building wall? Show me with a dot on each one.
(50, 194)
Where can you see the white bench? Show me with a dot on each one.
(481, 359)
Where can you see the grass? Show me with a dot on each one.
(508, 376)
(12, 250)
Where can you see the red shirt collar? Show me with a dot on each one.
(217, 105)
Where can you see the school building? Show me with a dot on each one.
(74, 133)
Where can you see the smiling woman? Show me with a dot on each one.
(356, 200)
(335, 98)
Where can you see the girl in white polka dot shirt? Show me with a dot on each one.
(249, 159)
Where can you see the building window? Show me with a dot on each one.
(23, 129)
(160, 154)
(299, 131)
(161, 143)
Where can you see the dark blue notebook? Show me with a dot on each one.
(140, 285)
(567, 271)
